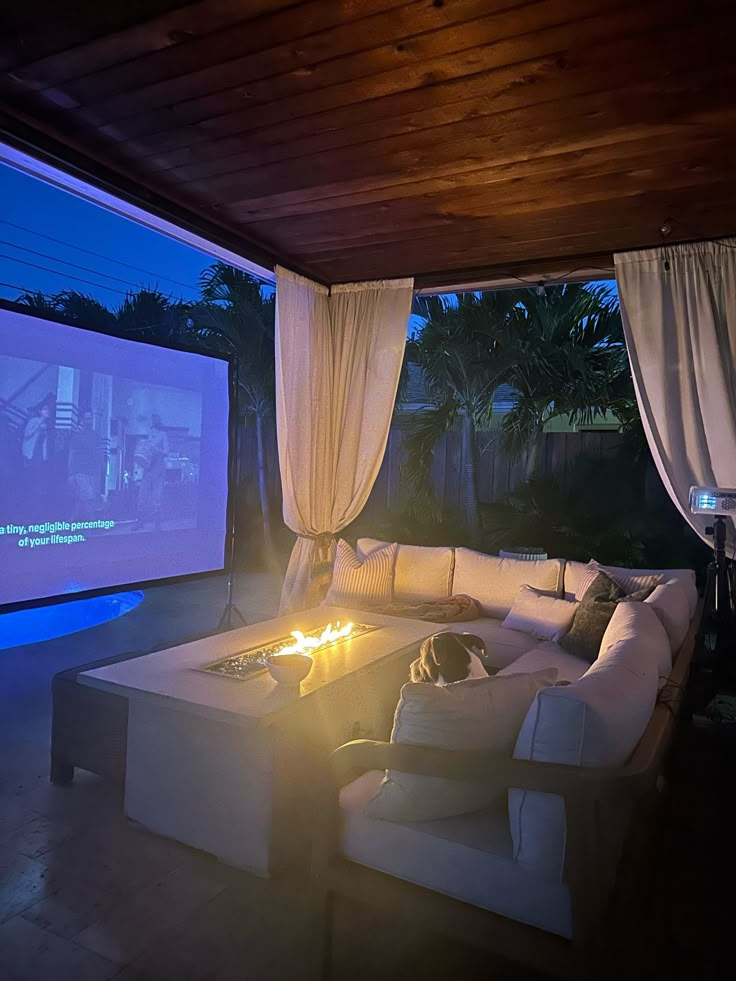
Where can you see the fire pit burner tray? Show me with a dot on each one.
(247, 663)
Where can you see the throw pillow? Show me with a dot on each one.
(360, 584)
(639, 596)
(539, 614)
(587, 578)
(591, 618)
(630, 580)
(475, 714)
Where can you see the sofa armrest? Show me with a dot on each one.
(360, 755)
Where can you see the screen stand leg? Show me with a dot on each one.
(231, 615)
(231, 618)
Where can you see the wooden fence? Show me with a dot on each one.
(498, 474)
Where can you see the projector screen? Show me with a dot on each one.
(113, 460)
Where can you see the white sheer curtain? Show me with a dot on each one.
(338, 360)
(678, 305)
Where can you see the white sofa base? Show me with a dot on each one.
(468, 857)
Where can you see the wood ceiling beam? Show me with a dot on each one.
(390, 137)
(512, 97)
(202, 120)
(99, 36)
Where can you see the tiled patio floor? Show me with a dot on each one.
(85, 896)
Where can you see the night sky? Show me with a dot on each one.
(116, 244)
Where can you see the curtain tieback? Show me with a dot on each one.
(322, 535)
(320, 569)
(321, 554)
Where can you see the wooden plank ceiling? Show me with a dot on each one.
(361, 139)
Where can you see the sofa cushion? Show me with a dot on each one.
(421, 574)
(640, 624)
(669, 601)
(574, 571)
(468, 857)
(474, 714)
(540, 614)
(360, 581)
(597, 721)
(592, 616)
(549, 655)
(503, 646)
(494, 582)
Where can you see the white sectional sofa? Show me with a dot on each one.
(423, 574)
(586, 767)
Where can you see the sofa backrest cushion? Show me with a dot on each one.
(576, 571)
(495, 582)
(597, 721)
(670, 602)
(421, 574)
(475, 714)
(634, 623)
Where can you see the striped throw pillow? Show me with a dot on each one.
(629, 580)
(362, 583)
(586, 580)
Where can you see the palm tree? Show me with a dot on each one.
(237, 319)
(463, 359)
(74, 307)
(570, 360)
(150, 313)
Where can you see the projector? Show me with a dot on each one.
(713, 500)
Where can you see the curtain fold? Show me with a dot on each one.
(338, 360)
(678, 306)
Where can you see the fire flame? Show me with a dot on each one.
(305, 645)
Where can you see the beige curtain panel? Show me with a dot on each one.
(338, 360)
(678, 305)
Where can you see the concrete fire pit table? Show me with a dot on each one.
(223, 758)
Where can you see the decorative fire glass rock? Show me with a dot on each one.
(247, 663)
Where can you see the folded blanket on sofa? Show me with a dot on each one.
(451, 609)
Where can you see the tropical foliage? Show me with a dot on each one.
(568, 359)
(562, 353)
(235, 316)
(462, 356)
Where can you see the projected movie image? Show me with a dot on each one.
(107, 474)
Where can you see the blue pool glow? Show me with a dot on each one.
(47, 622)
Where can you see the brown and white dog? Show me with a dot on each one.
(447, 657)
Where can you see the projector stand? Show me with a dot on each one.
(718, 609)
(231, 615)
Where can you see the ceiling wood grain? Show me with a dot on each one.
(370, 138)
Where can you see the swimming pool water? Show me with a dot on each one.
(47, 622)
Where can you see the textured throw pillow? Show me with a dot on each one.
(639, 596)
(475, 714)
(539, 614)
(360, 584)
(592, 616)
